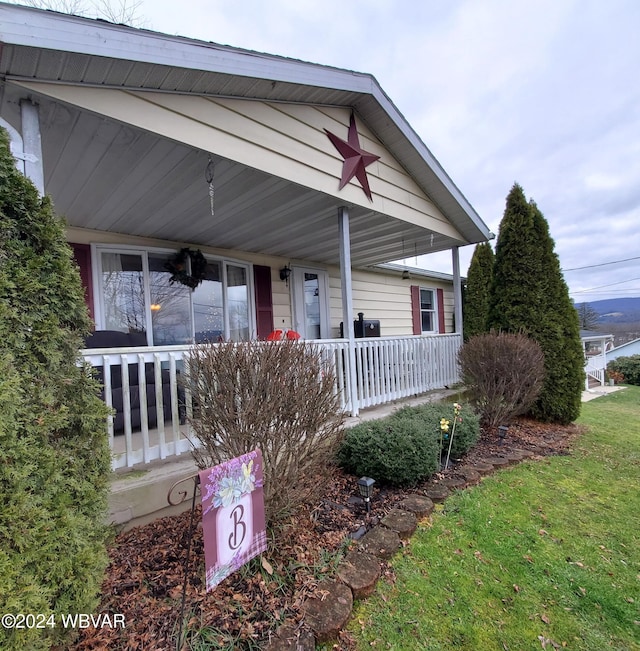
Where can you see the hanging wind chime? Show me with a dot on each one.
(209, 175)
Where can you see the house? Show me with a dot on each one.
(276, 192)
(624, 350)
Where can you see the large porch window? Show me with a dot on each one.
(135, 295)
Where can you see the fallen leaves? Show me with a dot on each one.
(266, 565)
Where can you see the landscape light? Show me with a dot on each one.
(365, 486)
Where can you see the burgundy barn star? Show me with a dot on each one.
(356, 159)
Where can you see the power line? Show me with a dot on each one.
(603, 264)
(586, 291)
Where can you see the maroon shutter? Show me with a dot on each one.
(415, 310)
(264, 301)
(441, 328)
(82, 256)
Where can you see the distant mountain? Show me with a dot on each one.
(617, 310)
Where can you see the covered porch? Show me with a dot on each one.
(595, 345)
(149, 144)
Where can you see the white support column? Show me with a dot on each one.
(347, 304)
(33, 167)
(457, 290)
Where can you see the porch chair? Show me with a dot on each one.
(117, 339)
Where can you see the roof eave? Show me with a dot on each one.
(48, 30)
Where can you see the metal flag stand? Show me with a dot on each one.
(182, 497)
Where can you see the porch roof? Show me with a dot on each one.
(594, 335)
(294, 221)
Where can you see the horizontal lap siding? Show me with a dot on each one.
(387, 298)
(287, 140)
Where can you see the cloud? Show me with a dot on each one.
(543, 93)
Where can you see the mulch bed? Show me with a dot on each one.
(145, 576)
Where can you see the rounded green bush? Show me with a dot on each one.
(391, 451)
(428, 417)
(629, 367)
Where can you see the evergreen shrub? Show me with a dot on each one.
(629, 367)
(428, 418)
(529, 294)
(478, 290)
(394, 451)
(54, 454)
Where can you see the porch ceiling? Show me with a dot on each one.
(109, 176)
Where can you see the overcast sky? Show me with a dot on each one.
(542, 92)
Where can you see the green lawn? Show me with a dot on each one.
(543, 555)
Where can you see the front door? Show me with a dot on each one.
(310, 303)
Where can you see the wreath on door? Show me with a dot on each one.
(187, 267)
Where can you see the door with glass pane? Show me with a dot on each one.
(310, 303)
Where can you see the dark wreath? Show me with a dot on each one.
(178, 267)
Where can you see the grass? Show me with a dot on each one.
(539, 556)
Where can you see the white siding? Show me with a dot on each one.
(387, 297)
(282, 139)
(624, 350)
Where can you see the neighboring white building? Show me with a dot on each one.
(625, 350)
(595, 346)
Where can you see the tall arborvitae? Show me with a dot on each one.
(528, 294)
(516, 288)
(561, 395)
(476, 303)
(54, 456)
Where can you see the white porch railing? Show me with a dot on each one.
(595, 367)
(165, 438)
(390, 368)
(387, 369)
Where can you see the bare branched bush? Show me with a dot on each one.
(503, 374)
(276, 396)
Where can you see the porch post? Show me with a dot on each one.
(347, 304)
(33, 168)
(457, 291)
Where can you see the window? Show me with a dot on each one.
(136, 295)
(428, 314)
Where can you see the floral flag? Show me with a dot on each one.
(233, 521)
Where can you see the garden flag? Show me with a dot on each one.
(233, 522)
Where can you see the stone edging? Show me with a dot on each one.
(357, 575)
